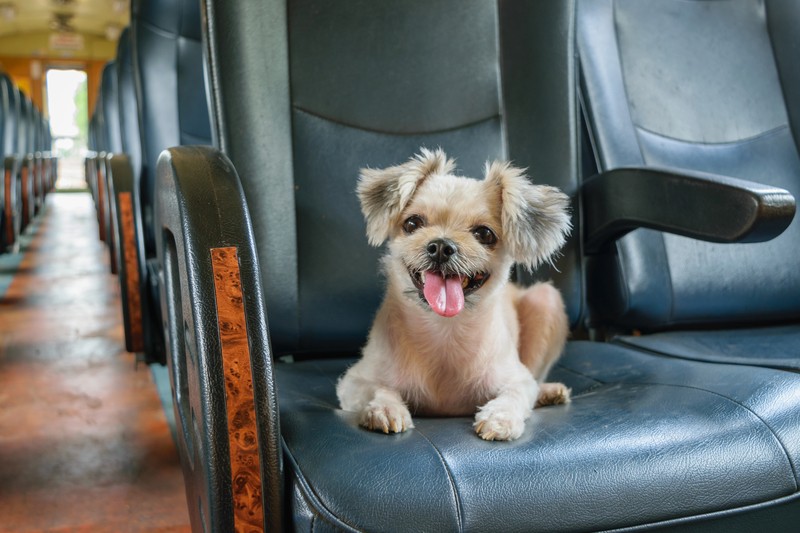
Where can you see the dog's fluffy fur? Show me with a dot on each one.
(441, 350)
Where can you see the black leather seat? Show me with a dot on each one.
(168, 66)
(97, 175)
(9, 206)
(43, 157)
(89, 162)
(48, 158)
(112, 144)
(304, 93)
(36, 151)
(710, 87)
(28, 165)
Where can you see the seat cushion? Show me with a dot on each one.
(645, 440)
(777, 347)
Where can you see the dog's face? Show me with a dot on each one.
(453, 240)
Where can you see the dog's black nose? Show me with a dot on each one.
(440, 250)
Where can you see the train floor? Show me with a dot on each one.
(85, 444)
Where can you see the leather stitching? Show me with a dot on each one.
(495, 116)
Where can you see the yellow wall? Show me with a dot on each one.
(28, 56)
(37, 44)
(29, 75)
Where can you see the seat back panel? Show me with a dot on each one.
(340, 278)
(709, 63)
(689, 85)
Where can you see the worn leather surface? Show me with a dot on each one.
(782, 17)
(690, 58)
(650, 102)
(669, 438)
(775, 346)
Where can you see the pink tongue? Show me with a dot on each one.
(444, 295)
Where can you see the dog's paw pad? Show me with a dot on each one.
(553, 394)
(386, 418)
(498, 426)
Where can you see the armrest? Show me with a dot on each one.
(218, 343)
(26, 188)
(129, 256)
(110, 213)
(10, 208)
(703, 206)
(138, 279)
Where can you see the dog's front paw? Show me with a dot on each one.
(498, 424)
(386, 417)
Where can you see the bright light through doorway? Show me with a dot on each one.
(67, 105)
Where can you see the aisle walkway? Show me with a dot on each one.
(84, 443)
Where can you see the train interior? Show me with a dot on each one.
(203, 209)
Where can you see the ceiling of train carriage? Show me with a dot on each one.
(61, 28)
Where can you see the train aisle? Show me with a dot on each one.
(84, 441)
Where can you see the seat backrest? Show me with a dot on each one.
(13, 133)
(7, 117)
(130, 136)
(99, 119)
(32, 118)
(168, 68)
(693, 85)
(307, 92)
(110, 103)
(38, 132)
(47, 137)
(24, 141)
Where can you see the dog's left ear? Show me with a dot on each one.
(535, 218)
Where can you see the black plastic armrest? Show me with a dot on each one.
(213, 304)
(703, 206)
(11, 198)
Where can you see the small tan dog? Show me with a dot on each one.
(452, 333)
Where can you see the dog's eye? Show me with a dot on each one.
(413, 223)
(484, 235)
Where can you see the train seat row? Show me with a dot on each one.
(245, 267)
(151, 97)
(29, 168)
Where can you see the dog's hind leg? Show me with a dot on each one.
(544, 328)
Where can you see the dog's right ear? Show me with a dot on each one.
(385, 193)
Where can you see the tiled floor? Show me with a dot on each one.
(84, 442)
